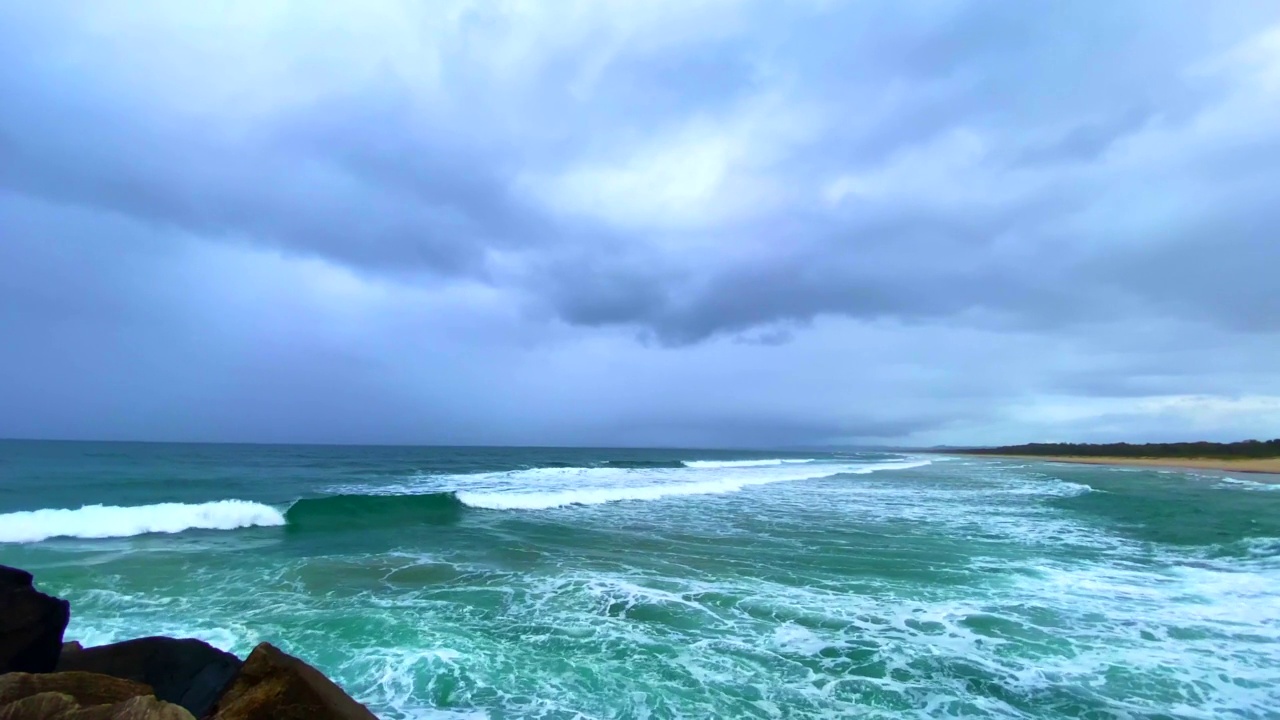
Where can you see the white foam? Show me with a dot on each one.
(107, 521)
(1249, 484)
(599, 495)
(592, 496)
(1262, 547)
(877, 467)
(790, 637)
(712, 464)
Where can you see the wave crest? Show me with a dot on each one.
(599, 495)
(644, 464)
(109, 521)
(357, 510)
(589, 496)
(712, 464)
(372, 511)
(900, 465)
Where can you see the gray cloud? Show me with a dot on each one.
(1089, 140)
(454, 215)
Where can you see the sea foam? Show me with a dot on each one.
(107, 521)
(724, 484)
(901, 465)
(592, 496)
(712, 464)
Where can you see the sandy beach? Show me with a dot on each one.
(1264, 465)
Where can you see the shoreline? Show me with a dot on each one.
(1266, 466)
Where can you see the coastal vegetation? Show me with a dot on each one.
(1244, 450)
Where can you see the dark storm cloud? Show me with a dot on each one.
(358, 176)
(680, 175)
(906, 267)
(1051, 93)
(353, 183)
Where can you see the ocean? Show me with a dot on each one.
(572, 583)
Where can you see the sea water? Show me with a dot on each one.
(558, 583)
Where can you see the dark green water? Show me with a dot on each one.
(543, 583)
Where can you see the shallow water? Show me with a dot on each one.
(540, 583)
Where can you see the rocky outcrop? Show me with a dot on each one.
(152, 678)
(31, 624)
(82, 687)
(274, 684)
(145, 707)
(60, 706)
(81, 696)
(45, 706)
(189, 673)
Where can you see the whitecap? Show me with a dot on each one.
(728, 483)
(1248, 484)
(108, 521)
(714, 464)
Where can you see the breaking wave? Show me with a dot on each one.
(407, 505)
(597, 496)
(644, 464)
(544, 500)
(108, 521)
(372, 511)
(710, 464)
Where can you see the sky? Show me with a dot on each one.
(659, 222)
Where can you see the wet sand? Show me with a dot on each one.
(1262, 465)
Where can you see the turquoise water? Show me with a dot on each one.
(543, 583)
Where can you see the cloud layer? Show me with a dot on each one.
(725, 223)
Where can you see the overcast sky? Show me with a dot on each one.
(640, 223)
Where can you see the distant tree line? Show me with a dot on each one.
(1245, 449)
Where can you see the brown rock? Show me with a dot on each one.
(189, 673)
(273, 685)
(83, 688)
(42, 706)
(61, 706)
(71, 646)
(31, 624)
(145, 707)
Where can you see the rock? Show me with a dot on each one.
(42, 706)
(277, 686)
(82, 687)
(71, 646)
(31, 624)
(189, 673)
(145, 707)
(60, 706)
